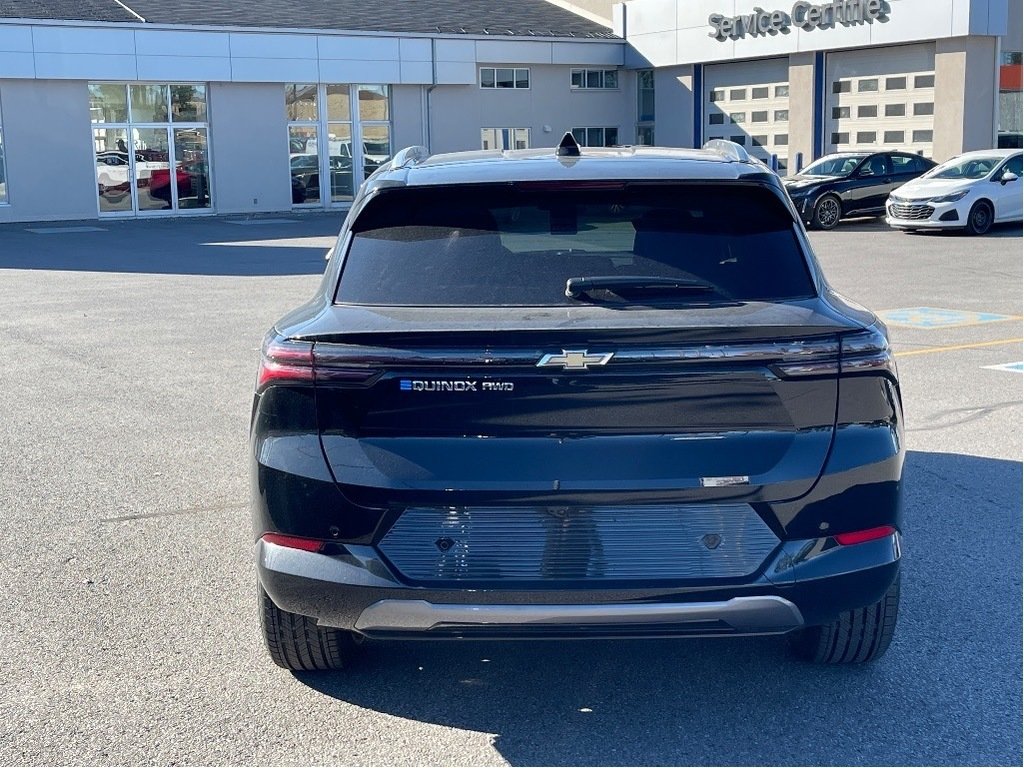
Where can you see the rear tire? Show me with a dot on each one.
(857, 636)
(827, 213)
(298, 643)
(979, 220)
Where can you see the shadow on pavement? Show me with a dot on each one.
(878, 225)
(282, 245)
(948, 691)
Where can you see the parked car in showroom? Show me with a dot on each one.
(851, 184)
(571, 394)
(970, 192)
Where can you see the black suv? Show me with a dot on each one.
(576, 393)
(851, 184)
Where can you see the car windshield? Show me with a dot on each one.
(965, 168)
(840, 165)
(520, 245)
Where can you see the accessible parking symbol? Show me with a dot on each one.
(931, 317)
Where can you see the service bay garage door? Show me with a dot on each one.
(883, 98)
(748, 102)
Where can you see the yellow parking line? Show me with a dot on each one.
(952, 347)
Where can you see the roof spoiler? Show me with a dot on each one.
(730, 150)
(409, 156)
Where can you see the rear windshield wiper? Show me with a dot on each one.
(634, 285)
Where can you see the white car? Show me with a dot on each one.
(972, 192)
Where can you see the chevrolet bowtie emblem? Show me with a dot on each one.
(575, 359)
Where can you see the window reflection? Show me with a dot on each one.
(373, 102)
(193, 168)
(149, 103)
(188, 103)
(301, 101)
(113, 169)
(108, 102)
(304, 160)
(376, 147)
(339, 144)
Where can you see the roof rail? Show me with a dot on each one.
(409, 156)
(730, 150)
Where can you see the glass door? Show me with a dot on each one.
(113, 170)
(154, 187)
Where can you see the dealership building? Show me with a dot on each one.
(112, 109)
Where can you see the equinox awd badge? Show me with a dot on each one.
(451, 385)
(575, 359)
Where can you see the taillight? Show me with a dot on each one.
(294, 542)
(867, 351)
(284, 360)
(868, 534)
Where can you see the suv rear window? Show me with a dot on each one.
(518, 244)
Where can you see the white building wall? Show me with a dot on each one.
(249, 148)
(666, 32)
(48, 148)
(548, 108)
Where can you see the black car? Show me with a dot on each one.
(851, 184)
(591, 393)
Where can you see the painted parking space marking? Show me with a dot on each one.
(954, 347)
(932, 317)
(1012, 367)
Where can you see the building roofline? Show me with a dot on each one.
(85, 23)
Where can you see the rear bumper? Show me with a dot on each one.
(806, 582)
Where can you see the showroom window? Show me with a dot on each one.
(151, 147)
(505, 138)
(596, 137)
(593, 79)
(504, 77)
(336, 131)
(3, 164)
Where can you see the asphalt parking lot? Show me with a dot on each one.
(129, 356)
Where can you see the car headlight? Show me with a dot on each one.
(952, 197)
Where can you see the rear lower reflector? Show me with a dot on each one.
(294, 542)
(868, 534)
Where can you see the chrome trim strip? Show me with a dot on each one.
(350, 355)
(751, 615)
